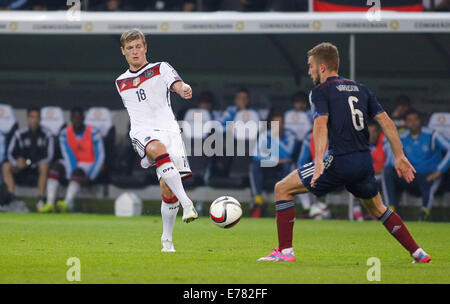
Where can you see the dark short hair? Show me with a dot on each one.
(77, 110)
(243, 90)
(33, 109)
(275, 111)
(300, 96)
(206, 96)
(412, 112)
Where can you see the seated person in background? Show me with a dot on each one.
(424, 148)
(206, 102)
(204, 111)
(241, 102)
(83, 152)
(298, 119)
(402, 105)
(30, 152)
(286, 140)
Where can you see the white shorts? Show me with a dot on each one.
(174, 145)
(85, 167)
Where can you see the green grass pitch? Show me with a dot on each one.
(34, 248)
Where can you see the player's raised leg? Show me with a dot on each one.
(285, 215)
(169, 210)
(395, 225)
(169, 173)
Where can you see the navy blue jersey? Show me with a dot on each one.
(348, 105)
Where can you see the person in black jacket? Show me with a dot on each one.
(30, 152)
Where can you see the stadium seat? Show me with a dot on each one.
(263, 113)
(232, 171)
(101, 119)
(8, 121)
(217, 115)
(440, 121)
(53, 119)
(246, 116)
(298, 122)
(191, 115)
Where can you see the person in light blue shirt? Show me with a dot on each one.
(83, 153)
(285, 139)
(242, 102)
(428, 152)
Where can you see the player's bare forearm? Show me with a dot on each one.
(320, 133)
(402, 165)
(182, 89)
(391, 133)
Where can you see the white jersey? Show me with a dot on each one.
(146, 96)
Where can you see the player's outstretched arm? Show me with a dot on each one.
(402, 165)
(182, 89)
(320, 134)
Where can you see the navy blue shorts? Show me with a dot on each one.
(354, 171)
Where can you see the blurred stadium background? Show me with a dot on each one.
(54, 57)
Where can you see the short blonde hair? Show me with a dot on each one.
(132, 35)
(326, 53)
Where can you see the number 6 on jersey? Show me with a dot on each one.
(357, 115)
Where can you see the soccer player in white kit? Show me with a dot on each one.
(145, 91)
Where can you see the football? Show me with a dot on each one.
(225, 211)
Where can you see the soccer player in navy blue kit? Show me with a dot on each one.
(341, 109)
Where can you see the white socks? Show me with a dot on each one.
(172, 177)
(52, 187)
(72, 191)
(169, 214)
(305, 200)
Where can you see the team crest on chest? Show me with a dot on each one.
(149, 73)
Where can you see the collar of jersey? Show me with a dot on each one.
(328, 79)
(331, 78)
(134, 72)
